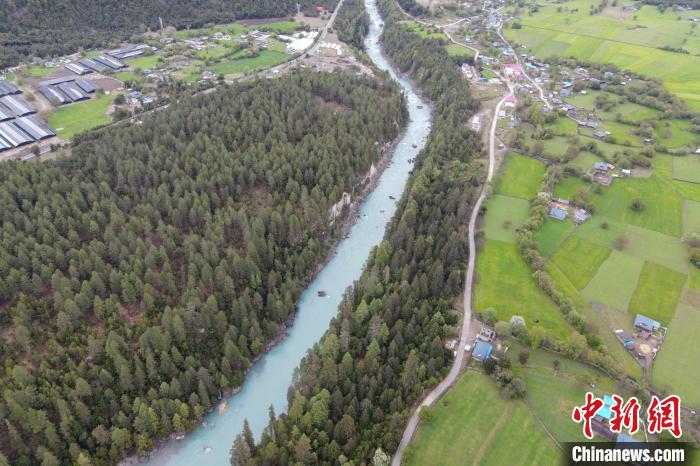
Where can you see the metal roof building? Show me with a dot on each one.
(86, 86)
(52, 94)
(4, 145)
(77, 68)
(51, 82)
(559, 214)
(110, 62)
(93, 65)
(34, 127)
(14, 135)
(5, 114)
(128, 52)
(18, 106)
(8, 89)
(72, 91)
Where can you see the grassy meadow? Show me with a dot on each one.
(70, 120)
(505, 283)
(473, 423)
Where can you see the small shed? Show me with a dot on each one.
(580, 216)
(482, 351)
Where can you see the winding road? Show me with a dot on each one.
(456, 368)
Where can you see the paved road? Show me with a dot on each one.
(447, 382)
(517, 60)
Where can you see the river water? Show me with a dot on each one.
(267, 382)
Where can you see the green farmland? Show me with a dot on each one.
(473, 421)
(630, 39)
(70, 120)
(505, 215)
(505, 283)
(266, 59)
(657, 292)
(579, 260)
(676, 366)
(521, 177)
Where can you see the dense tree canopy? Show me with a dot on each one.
(354, 390)
(140, 277)
(55, 27)
(352, 23)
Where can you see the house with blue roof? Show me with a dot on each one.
(605, 411)
(645, 323)
(482, 351)
(626, 438)
(558, 213)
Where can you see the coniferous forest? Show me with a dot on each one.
(142, 275)
(57, 27)
(355, 389)
(352, 23)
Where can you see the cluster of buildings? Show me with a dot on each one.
(332, 47)
(66, 90)
(18, 124)
(299, 42)
(646, 339)
(604, 173)
(560, 209)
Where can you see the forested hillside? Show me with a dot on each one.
(140, 277)
(352, 23)
(47, 28)
(355, 389)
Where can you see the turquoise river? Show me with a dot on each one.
(268, 380)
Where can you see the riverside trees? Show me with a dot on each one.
(355, 389)
(141, 276)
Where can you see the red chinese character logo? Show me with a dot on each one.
(625, 416)
(586, 412)
(665, 415)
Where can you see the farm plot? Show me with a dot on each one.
(505, 283)
(616, 281)
(504, 216)
(521, 177)
(657, 292)
(567, 187)
(70, 120)
(662, 206)
(551, 234)
(601, 230)
(473, 421)
(266, 59)
(579, 260)
(687, 168)
(656, 247)
(676, 366)
(691, 217)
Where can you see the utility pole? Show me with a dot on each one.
(162, 30)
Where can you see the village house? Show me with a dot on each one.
(580, 216)
(482, 351)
